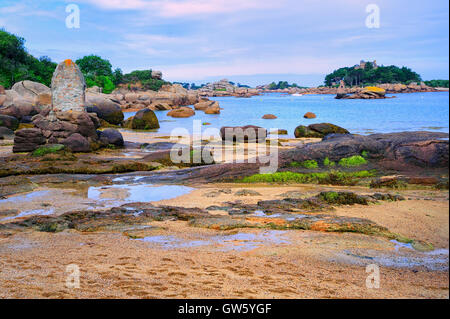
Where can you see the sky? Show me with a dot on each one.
(246, 41)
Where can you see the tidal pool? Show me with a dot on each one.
(129, 193)
(239, 241)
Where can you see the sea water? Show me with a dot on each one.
(406, 112)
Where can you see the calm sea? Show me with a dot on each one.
(406, 112)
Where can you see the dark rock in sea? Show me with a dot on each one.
(318, 130)
(145, 119)
(247, 134)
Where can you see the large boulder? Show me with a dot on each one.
(77, 143)
(105, 108)
(394, 151)
(144, 119)
(203, 105)
(111, 136)
(318, 130)
(9, 121)
(181, 112)
(2, 99)
(30, 90)
(28, 139)
(246, 134)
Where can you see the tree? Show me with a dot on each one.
(117, 76)
(94, 65)
(12, 57)
(370, 74)
(17, 65)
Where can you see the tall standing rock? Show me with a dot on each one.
(68, 87)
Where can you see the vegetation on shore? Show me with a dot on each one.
(16, 65)
(437, 83)
(331, 178)
(371, 75)
(281, 85)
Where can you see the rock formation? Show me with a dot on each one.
(68, 88)
(67, 122)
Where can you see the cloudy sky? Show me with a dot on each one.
(246, 41)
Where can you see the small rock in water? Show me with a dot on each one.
(309, 115)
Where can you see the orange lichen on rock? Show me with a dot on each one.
(320, 226)
(265, 221)
(68, 62)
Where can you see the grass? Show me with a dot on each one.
(48, 149)
(328, 163)
(352, 161)
(310, 164)
(333, 177)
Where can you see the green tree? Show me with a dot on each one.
(12, 57)
(94, 65)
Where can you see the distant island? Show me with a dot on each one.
(370, 74)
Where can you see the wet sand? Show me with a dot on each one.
(175, 260)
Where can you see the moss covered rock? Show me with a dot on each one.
(145, 119)
(318, 130)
